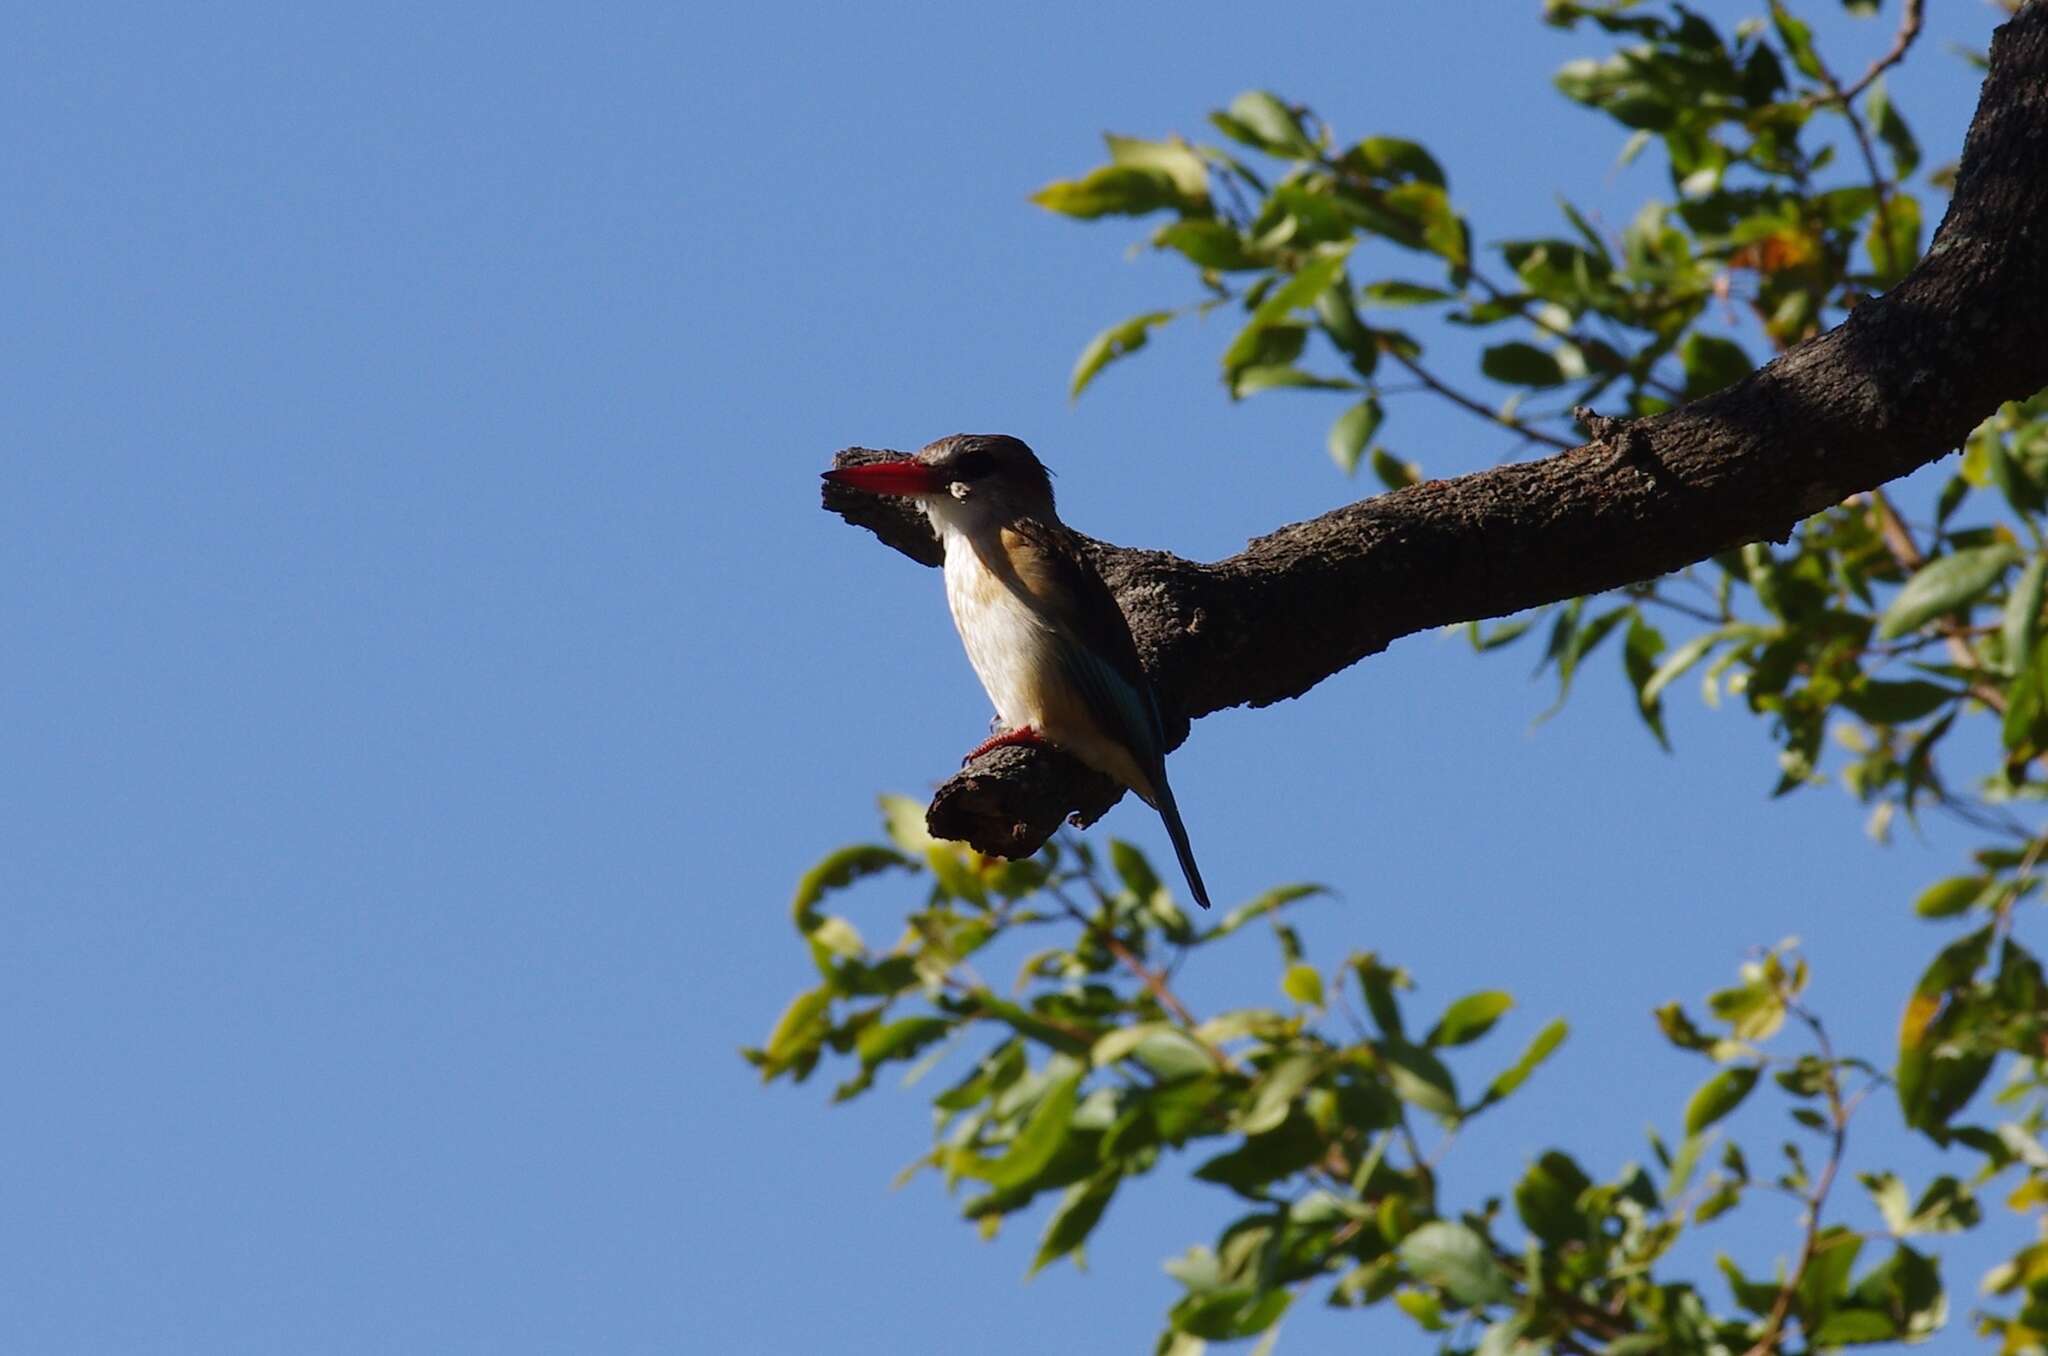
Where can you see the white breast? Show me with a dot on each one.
(1006, 642)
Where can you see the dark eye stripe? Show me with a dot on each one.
(972, 464)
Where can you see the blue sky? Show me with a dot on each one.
(428, 671)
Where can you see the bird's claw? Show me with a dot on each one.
(1023, 734)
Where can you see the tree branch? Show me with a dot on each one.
(1895, 386)
(1910, 19)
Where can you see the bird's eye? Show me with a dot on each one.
(972, 464)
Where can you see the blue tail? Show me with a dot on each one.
(1178, 832)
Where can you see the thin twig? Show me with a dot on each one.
(1154, 982)
(1464, 401)
(1878, 184)
(1905, 552)
(1570, 336)
(1910, 18)
(1838, 1121)
(2002, 916)
(1983, 817)
(1686, 609)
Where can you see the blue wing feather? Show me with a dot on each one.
(1124, 709)
(1093, 646)
(1130, 713)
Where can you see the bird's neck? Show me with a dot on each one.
(974, 525)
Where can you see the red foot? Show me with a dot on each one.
(1023, 734)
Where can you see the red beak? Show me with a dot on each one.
(906, 476)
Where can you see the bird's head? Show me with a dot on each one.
(982, 476)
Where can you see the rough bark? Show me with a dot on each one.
(1895, 386)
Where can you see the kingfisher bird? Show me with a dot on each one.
(1044, 633)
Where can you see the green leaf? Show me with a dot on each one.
(1586, 232)
(954, 866)
(2022, 621)
(1882, 702)
(1424, 1307)
(1211, 244)
(800, 1028)
(1844, 209)
(1025, 1022)
(1377, 982)
(1889, 1194)
(1175, 159)
(1075, 1217)
(1172, 1054)
(1118, 341)
(1637, 1344)
(1640, 648)
(1570, 643)
(1133, 870)
(1943, 899)
(1798, 40)
(1944, 585)
(1516, 1074)
(1271, 376)
(1304, 984)
(1892, 130)
(899, 1039)
(1259, 119)
(904, 819)
(1352, 431)
(1712, 363)
(1113, 190)
(1506, 633)
(1848, 1327)
(1616, 87)
(2026, 713)
(1718, 1096)
(1826, 1282)
(1894, 240)
(1394, 473)
(1118, 1044)
(1680, 1029)
(1255, 346)
(1946, 1207)
(1469, 1018)
(1753, 1011)
(1935, 1077)
(1682, 1165)
(1755, 1296)
(1419, 1078)
(1951, 968)
(1266, 1158)
(839, 870)
(1677, 662)
(1226, 1315)
(1455, 1258)
(1392, 159)
(1395, 293)
(1520, 364)
(834, 936)
(2018, 481)
(1277, 898)
(1908, 1286)
(1547, 1198)
(1309, 282)
(1339, 320)
(1043, 1133)
(1273, 1095)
